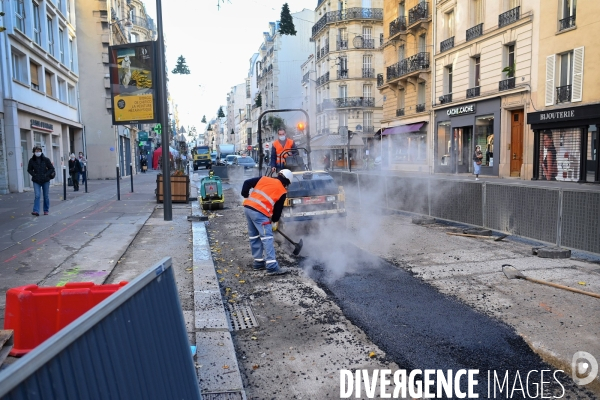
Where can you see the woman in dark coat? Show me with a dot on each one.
(42, 171)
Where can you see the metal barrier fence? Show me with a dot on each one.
(133, 345)
(565, 217)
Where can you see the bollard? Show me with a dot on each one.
(64, 182)
(85, 176)
(131, 173)
(118, 184)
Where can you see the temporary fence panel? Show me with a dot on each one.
(133, 345)
(407, 194)
(457, 201)
(580, 227)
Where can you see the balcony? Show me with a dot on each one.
(447, 98)
(563, 94)
(400, 112)
(447, 44)
(347, 15)
(368, 72)
(323, 79)
(473, 92)
(509, 17)
(368, 129)
(138, 21)
(347, 102)
(379, 80)
(342, 45)
(398, 26)
(418, 13)
(418, 62)
(474, 32)
(306, 77)
(364, 43)
(420, 108)
(342, 74)
(507, 84)
(566, 23)
(323, 51)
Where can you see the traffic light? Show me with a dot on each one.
(300, 126)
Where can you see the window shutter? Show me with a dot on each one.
(550, 60)
(577, 89)
(34, 74)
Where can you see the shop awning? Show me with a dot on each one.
(410, 128)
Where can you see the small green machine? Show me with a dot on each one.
(211, 192)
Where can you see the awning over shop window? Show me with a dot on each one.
(410, 128)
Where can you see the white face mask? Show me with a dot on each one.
(72, 157)
(282, 137)
(38, 153)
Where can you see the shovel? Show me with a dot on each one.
(513, 273)
(297, 246)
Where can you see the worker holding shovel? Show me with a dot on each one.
(263, 206)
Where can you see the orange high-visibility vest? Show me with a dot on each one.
(279, 149)
(265, 194)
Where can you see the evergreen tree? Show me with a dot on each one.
(203, 119)
(181, 68)
(209, 127)
(286, 23)
(220, 113)
(258, 101)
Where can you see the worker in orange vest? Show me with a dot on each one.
(279, 146)
(263, 206)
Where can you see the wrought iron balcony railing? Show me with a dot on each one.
(342, 45)
(323, 51)
(475, 32)
(417, 62)
(447, 98)
(306, 77)
(418, 12)
(379, 80)
(368, 72)
(509, 17)
(139, 21)
(473, 92)
(563, 94)
(447, 44)
(347, 102)
(400, 112)
(507, 84)
(323, 79)
(365, 44)
(420, 107)
(368, 129)
(342, 74)
(345, 15)
(398, 25)
(566, 23)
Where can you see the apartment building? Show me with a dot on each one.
(347, 38)
(485, 64)
(238, 113)
(39, 88)
(309, 91)
(565, 143)
(405, 85)
(101, 24)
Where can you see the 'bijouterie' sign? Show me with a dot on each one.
(468, 109)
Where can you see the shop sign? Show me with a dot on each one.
(468, 109)
(557, 115)
(142, 135)
(41, 125)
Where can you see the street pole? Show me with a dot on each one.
(349, 161)
(131, 174)
(118, 183)
(163, 117)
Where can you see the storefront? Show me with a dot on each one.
(406, 145)
(566, 144)
(459, 129)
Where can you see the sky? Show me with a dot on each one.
(217, 45)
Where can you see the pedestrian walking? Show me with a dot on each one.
(74, 171)
(42, 171)
(83, 163)
(263, 206)
(279, 146)
(477, 157)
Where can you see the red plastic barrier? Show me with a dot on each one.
(36, 313)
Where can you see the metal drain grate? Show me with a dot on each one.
(241, 316)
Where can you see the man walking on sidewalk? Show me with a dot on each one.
(74, 171)
(263, 206)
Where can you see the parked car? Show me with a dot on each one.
(213, 157)
(230, 159)
(246, 162)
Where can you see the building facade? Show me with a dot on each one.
(347, 37)
(565, 141)
(40, 78)
(485, 68)
(406, 84)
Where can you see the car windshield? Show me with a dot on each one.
(200, 150)
(230, 158)
(245, 160)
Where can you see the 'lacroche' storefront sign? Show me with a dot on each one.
(468, 109)
(41, 125)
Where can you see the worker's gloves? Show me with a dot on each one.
(275, 225)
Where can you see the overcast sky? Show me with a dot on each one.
(217, 45)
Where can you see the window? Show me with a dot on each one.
(477, 71)
(134, 38)
(367, 32)
(71, 54)
(367, 91)
(449, 24)
(400, 53)
(37, 30)
(510, 4)
(62, 90)
(566, 69)
(61, 44)
(49, 83)
(34, 72)
(448, 73)
(422, 44)
(72, 95)
(50, 36)
(20, 16)
(401, 97)
(443, 146)
(476, 12)
(421, 94)
(367, 67)
(484, 137)
(19, 66)
(510, 59)
(343, 119)
(569, 8)
(401, 9)
(367, 121)
(343, 91)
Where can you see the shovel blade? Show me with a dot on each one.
(511, 272)
(298, 247)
